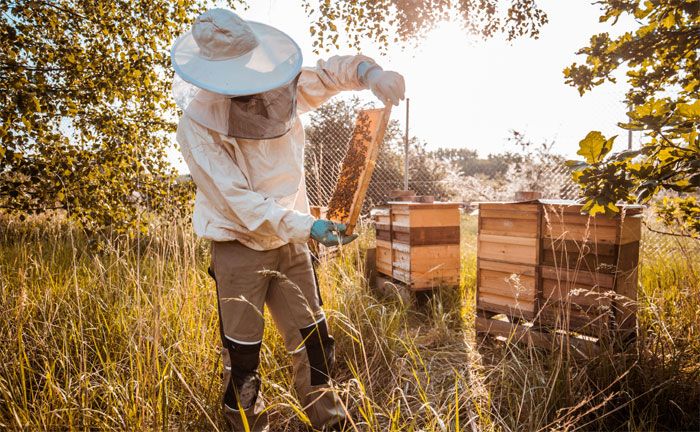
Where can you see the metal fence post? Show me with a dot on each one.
(405, 150)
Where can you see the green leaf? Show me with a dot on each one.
(594, 147)
(689, 111)
(611, 208)
(596, 209)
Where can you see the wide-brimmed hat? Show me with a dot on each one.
(228, 55)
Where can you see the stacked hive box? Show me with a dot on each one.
(544, 261)
(418, 243)
(589, 269)
(507, 258)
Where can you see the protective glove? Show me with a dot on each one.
(329, 233)
(388, 86)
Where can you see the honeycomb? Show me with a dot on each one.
(357, 167)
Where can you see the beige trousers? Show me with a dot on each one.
(283, 280)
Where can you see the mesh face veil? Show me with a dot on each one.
(264, 115)
(259, 116)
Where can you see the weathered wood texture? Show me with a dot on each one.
(418, 243)
(358, 165)
(547, 262)
(593, 260)
(514, 332)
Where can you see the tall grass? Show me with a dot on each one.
(123, 334)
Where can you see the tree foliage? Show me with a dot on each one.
(468, 162)
(390, 21)
(86, 112)
(664, 74)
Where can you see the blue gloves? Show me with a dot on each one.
(329, 233)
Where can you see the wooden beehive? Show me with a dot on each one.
(545, 262)
(356, 172)
(589, 268)
(418, 244)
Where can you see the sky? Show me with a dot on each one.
(467, 92)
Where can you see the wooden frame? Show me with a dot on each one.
(368, 137)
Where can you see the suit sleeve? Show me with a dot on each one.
(220, 179)
(327, 79)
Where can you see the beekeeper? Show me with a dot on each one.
(241, 87)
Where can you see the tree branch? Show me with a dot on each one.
(62, 9)
(646, 225)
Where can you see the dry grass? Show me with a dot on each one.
(125, 337)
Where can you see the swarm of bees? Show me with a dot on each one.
(357, 166)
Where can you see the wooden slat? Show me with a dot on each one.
(419, 282)
(434, 217)
(519, 333)
(401, 247)
(589, 320)
(519, 250)
(435, 253)
(383, 254)
(505, 284)
(601, 257)
(383, 235)
(509, 227)
(566, 276)
(507, 214)
(572, 215)
(523, 241)
(579, 232)
(506, 305)
(531, 208)
(509, 268)
(384, 244)
(514, 304)
(419, 236)
(401, 275)
(399, 220)
(430, 217)
(576, 300)
(406, 206)
(384, 268)
(421, 258)
(576, 293)
(425, 215)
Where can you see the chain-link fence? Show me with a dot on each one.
(447, 174)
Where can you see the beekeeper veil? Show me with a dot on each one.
(236, 77)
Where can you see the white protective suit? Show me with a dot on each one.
(254, 191)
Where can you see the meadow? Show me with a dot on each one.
(122, 334)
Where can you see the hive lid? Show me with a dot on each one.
(630, 208)
(443, 204)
